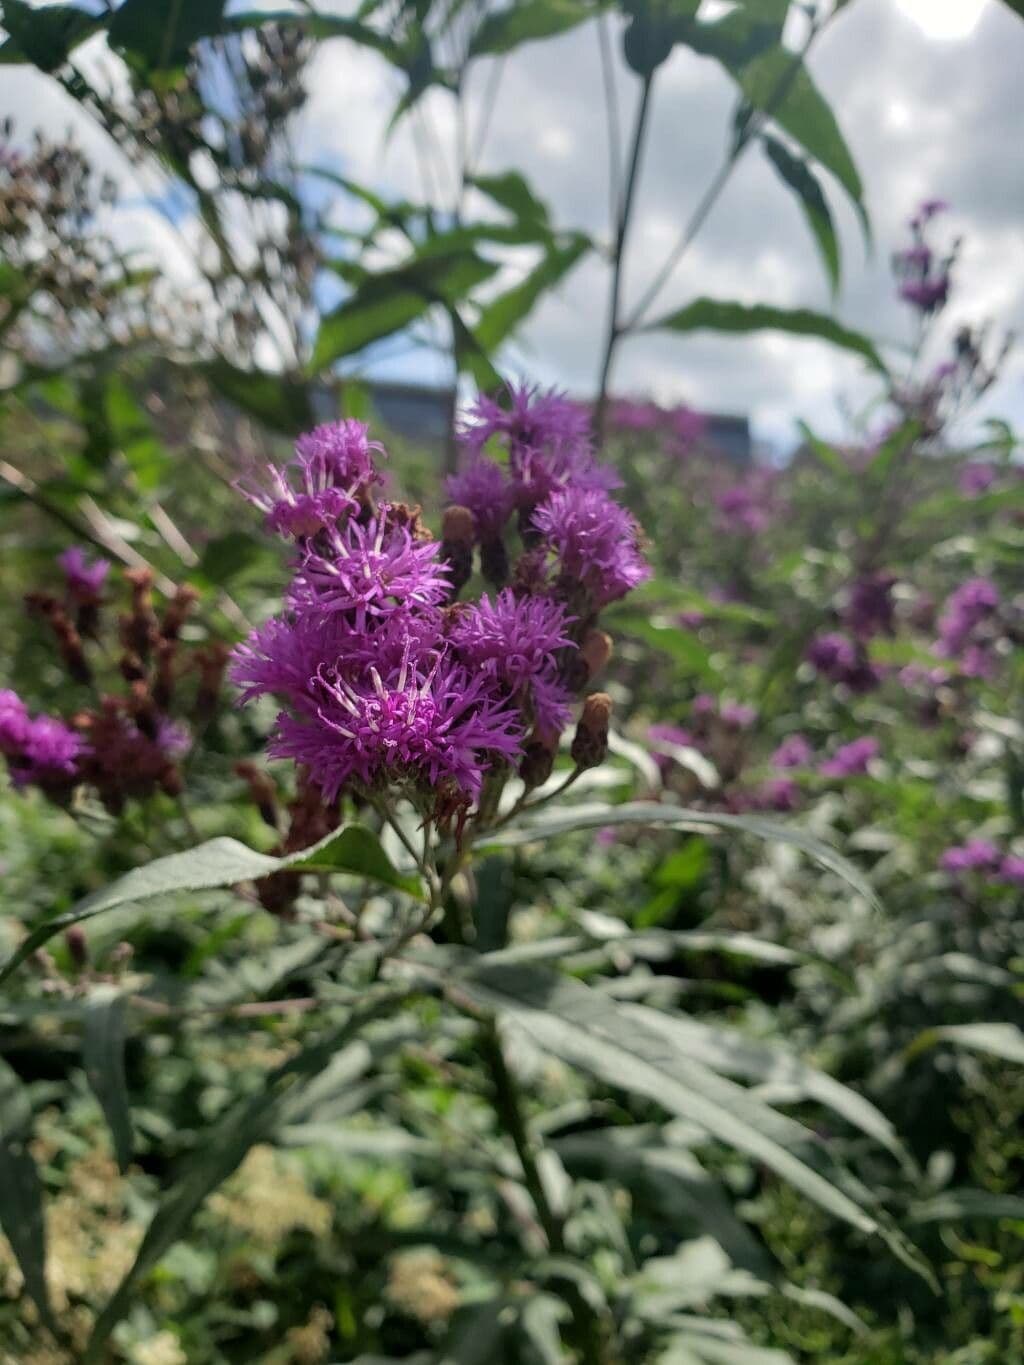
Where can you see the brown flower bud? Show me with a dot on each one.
(595, 651)
(538, 760)
(494, 561)
(163, 687)
(177, 612)
(457, 547)
(590, 743)
(78, 946)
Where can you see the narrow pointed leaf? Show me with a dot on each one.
(804, 184)
(103, 1043)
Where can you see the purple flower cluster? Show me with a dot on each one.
(870, 609)
(853, 759)
(981, 856)
(923, 277)
(845, 661)
(40, 750)
(742, 510)
(84, 578)
(966, 627)
(387, 683)
(794, 752)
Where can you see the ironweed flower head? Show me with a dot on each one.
(976, 855)
(843, 661)
(345, 452)
(853, 759)
(870, 608)
(484, 488)
(967, 609)
(531, 419)
(40, 750)
(794, 752)
(84, 579)
(597, 543)
(923, 278)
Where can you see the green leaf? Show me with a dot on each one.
(998, 1040)
(503, 315)
(826, 455)
(674, 641)
(21, 1191)
(557, 820)
(1016, 5)
(247, 1123)
(619, 1046)
(952, 1206)
(779, 84)
(804, 184)
(389, 302)
(161, 37)
(43, 35)
(278, 402)
(525, 22)
(225, 862)
(230, 556)
(511, 191)
(103, 1040)
(722, 315)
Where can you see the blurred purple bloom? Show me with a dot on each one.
(977, 855)
(966, 608)
(14, 722)
(629, 414)
(46, 753)
(870, 608)
(794, 752)
(596, 540)
(1011, 869)
(780, 794)
(84, 579)
(533, 420)
(976, 478)
(741, 509)
(737, 716)
(841, 660)
(853, 759)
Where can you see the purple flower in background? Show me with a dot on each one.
(629, 414)
(687, 428)
(966, 608)
(532, 419)
(841, 660)
(483, 487)
(84, 579)
(515, 640)
(596, 540)
(976, 478)
(923, 281)
(977, 855)
(921, 677)
(870, 608)
(14, 722)
(794, 752)
(47, 755)
(537, 474)
(853, 759)
(780, 794)
(370, 570)
(740, 509)
(737, 716)
(440, 730)
(1011, 870)
(669, 736)
(343, 449)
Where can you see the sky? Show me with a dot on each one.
(927, 93)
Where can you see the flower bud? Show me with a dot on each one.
(596, 650)
(78, 946)
(457, 546)
(538, 760)
(590, 743)
(261, 790)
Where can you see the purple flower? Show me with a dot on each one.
(977, 855)
(687, 428)
(741, 510)
(369, 571)
(1011, 870)
(780, 794)
(14, 722)
(976, 478)
(514, 640)
(966, 608)
(344, 451)
(923, 281)
(315, 504)
(793, 752)
(532, 420)
(84, 579)
(851, 760)
(483, 487)
(596, 541)
(841, 660)
(737, 716)
(629, 414)
(435, 731)
(47, 754)
(870, 608)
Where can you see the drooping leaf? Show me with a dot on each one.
(525, 22)
(390, 301)
(997, 1040)
(722, 315)
(225, 862)
(953, 1206)
(103, 1043)
(585, 1028)
(251, 1121)
(21, 1191)
(510, 190)
(161, 37)
(280, 403)
(502, 315)
(43, 35)
(554, 821)
(804, 184)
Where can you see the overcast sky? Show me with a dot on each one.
(924, 116)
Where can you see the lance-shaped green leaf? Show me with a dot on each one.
(226, 862)
(585, 1028)
(798, 175)
(554, 821)
(511, 191)
(500, 317)
(103, 1041)
(253, 1120)
(723, 315)
(21, 1191)
(953, 1206)
(525, 22)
